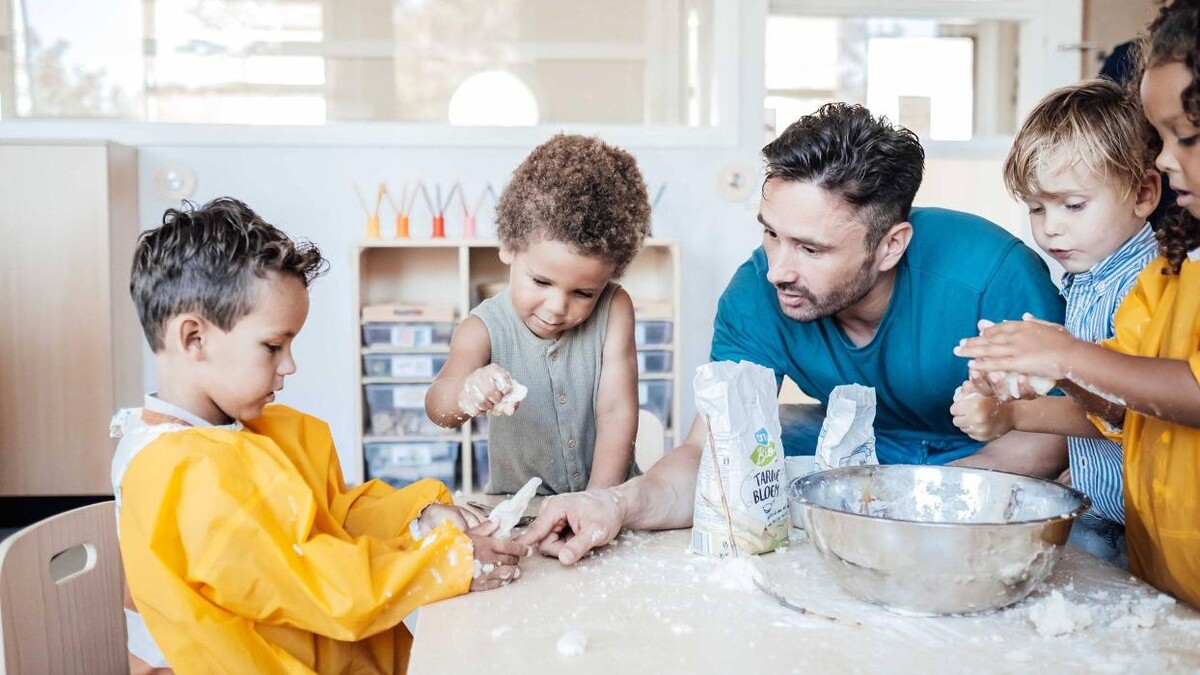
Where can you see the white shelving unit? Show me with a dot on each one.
(450, 272)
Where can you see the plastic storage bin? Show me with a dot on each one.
(408, 335)
(655, 396)
(399, 410)
(403, 365)
(652, 332)
(400, 464)
(479, 469)
(654, 361)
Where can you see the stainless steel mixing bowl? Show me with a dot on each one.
(933, 539)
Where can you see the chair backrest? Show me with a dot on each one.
(66, 616)
(648, 445)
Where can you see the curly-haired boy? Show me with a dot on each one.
(571, 220)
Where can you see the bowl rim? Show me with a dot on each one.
(1085, 502)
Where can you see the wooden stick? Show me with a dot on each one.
(388, 193)
(407, 198)
(362, 201)
(462, 198)
(658, 196)
(479, 202)
(379, 192)
(425, 194)
(712, 444)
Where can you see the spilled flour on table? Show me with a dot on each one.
(1056, 616)
(572, 643)
(735, 573)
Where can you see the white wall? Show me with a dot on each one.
(306, 192)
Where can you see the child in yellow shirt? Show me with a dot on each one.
(244, 551)
(1141, 386)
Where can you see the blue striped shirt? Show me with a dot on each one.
(1092, 300)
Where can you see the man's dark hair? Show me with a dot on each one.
(873, 166)
(204, 260)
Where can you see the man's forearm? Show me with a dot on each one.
(664, 498)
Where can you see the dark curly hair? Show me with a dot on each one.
(873, 166)
(582, 192)
(1174, 36)
(205, 259)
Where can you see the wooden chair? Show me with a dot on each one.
(60, 596)
(648, 444)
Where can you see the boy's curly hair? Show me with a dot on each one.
(582, 192)
(1096, 124)
(1174, 36)
(205, 260)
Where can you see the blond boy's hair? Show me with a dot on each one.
(1096, 125)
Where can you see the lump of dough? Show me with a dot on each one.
(508, 512)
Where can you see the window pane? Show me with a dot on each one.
(315, 61)
(945, 79)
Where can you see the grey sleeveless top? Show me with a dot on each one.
(553, 433)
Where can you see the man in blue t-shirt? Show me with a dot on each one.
(851, 285)
(955, 269)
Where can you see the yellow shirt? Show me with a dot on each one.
(245, 553)
(1160, 318)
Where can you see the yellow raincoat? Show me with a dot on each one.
(245, 552)
(1160, 318)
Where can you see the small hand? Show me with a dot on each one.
(435, 514)
(1030, 347)
(571, 525)
(982, 417)
(483, 389)
(496, 560)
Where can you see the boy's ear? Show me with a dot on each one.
(892, 247)
(1149, 191)
(506, 255)
(188, 332)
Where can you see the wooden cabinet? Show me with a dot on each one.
(398, 443)
(70, 344)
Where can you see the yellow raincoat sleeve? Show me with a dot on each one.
(1130, 324)
(232, 516)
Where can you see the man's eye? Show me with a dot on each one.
(273, 348)
(770, 233)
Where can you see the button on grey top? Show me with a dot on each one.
(553, 433)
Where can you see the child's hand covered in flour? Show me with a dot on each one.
(496, 560)
(981, 415)
(484, 389)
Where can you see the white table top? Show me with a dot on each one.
(645, 603)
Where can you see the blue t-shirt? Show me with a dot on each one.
(958, 269)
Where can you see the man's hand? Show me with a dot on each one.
(571, 525)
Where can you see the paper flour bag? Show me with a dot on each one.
(848, 433)
(746, 475)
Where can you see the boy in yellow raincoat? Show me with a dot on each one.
(244, 551)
